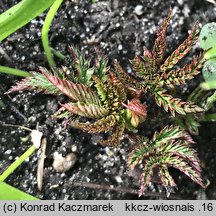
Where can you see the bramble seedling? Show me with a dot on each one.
(110, 100)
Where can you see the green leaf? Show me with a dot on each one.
(8, 192)
(182, 50)
(20, 14)
(101, 88)
(208, 85)
(82, 66)
(101, 67)
(210, 53)
(77, 92)
(210, 101)
(14, 71)
(175, 105)
(209, 70)
(207, 36)
(36, 82)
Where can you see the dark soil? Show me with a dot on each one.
(119, 30)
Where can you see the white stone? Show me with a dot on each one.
(63, 164)
(138, 10)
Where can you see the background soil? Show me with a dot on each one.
(119, 29)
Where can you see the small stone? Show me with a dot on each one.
(138, 10)
(118, 179)
(36, 137)
(180, 2)
(63, 164)
(120, 47)
(117, 25)
(74, 148)
(8, 151)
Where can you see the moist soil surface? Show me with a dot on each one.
(120, 30)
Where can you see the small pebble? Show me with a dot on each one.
(8, 151)
(74, 148)
(118, 179)
(63, 164)
(138, 10)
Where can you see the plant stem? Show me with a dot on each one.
(58, 54)
(196, 94)
(122, 190)
(17, 162)
(210, 101)
(45, 30)
(210, 117)
(208, 85)
(14, 71)
(210, 53)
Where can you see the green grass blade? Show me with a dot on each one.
(8, 192)
(14, 71)
(20, 14)
(45, 30)
(17, 162)
(210, 117)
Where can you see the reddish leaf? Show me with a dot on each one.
(135, 106)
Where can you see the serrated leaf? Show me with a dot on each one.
(82, 66)
(175, 105)
(183, 166)
(182, 50)
(89, 111)
(180, 76)
(102, 125)
(124, 77)
(101, 88)
(165, 177)
(171, 147)
(145, 67)
(100, 67)
(171, 133)
(116, 91)
(62, 113)
(77, 92)
(115, 137)
(160, 42)
(37, 82)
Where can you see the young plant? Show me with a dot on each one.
(153, 75)
(95, 93)
(171, 147)
(101, 100)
